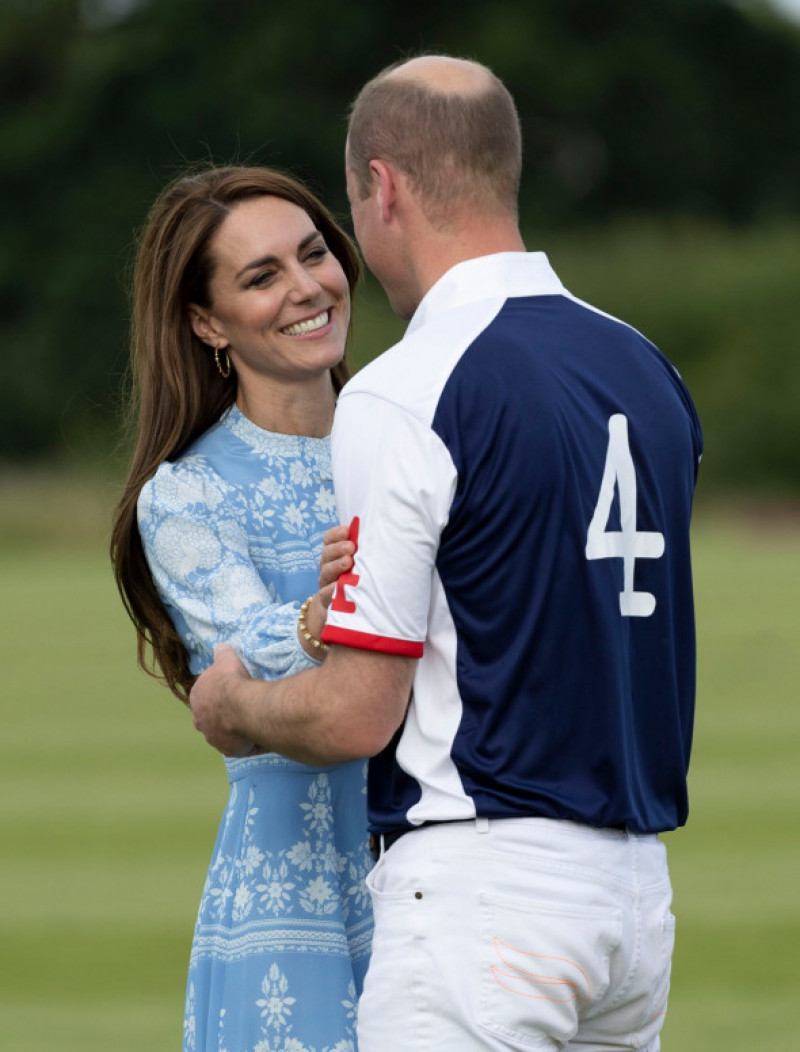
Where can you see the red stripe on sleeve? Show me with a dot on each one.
(365, 641)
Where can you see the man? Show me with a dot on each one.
(519, 473)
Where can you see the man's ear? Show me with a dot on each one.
(384, 177)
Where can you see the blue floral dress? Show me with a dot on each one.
(232, 531)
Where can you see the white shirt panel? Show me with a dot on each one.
(395, 475)
(413, 372)
(432, 722)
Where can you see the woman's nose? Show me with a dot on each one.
(304, 286)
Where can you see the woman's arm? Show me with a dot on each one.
(199, 555)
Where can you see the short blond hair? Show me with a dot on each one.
(456, 148)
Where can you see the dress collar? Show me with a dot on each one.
(273, 442)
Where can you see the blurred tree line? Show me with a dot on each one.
(632, 109)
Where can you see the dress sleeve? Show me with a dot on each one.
(199, 556)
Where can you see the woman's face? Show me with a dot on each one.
(280, 302)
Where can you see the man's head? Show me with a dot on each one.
(433, 167)
(449, 125)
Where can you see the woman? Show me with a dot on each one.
(241, 313)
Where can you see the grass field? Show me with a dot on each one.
(109, 800)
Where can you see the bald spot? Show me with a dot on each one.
(442, 73)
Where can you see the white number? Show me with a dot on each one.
(627, 544)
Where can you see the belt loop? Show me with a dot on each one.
(481, 825)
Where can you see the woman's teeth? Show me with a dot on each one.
(307, 326)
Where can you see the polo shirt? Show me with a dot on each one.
(518, 472)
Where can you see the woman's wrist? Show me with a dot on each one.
(310, 622)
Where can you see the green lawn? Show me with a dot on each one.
(736, 866)
(110, 800)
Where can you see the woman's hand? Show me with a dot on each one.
(337, 558)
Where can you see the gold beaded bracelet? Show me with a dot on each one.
(317, 644)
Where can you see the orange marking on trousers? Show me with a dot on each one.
(520, 975)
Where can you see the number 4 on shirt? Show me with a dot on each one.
(628, 543)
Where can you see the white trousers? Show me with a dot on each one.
(518, 934)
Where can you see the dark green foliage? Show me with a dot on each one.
(722, 305)
(675, 107)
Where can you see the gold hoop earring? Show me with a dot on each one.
(226, 372)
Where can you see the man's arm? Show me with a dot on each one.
(348, 708)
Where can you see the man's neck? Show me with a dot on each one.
(434, 252)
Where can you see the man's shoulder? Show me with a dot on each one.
(374, 375)
(400, 377)
(417, 367)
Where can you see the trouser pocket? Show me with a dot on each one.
(541, 967)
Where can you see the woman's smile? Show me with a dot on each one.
(309, 325)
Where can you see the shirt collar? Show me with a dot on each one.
(505, 274)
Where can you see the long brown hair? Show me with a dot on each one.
(177, 392)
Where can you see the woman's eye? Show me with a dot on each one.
(263, 278)
(317, 253)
